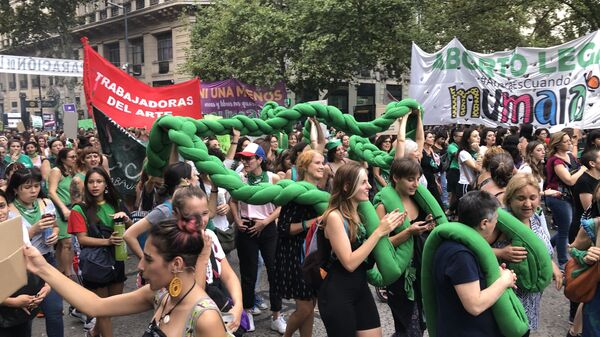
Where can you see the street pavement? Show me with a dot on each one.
(553, 323)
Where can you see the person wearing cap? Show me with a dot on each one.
(257, 231)
(336, 155)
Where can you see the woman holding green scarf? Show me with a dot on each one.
(16, 155)
(38, 219)
(257, 231)
(404, 295)
(59, 183)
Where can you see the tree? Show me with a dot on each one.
(311, 44)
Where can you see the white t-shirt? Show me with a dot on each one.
(219, 256)
(256, 212)
(525, 168)
(467, 175)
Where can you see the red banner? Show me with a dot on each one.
(130, 102)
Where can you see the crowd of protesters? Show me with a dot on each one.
(183, 228)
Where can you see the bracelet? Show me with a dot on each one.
(303, 225)
(213, 191)
(233, 143)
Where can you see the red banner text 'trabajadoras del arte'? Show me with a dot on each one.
(130, 102)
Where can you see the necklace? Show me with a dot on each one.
(166, 318)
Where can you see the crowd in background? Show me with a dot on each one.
(70, 210)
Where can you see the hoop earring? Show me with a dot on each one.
(175, 286)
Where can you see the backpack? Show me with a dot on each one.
(318, 256)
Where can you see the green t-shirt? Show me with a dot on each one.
(453, 153)
(104, 214)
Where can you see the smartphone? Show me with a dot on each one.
(433, 220)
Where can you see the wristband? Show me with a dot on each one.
(303, 225)
(213, 191)
(233, 143)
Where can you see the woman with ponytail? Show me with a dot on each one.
(170, 264)
(93, 223)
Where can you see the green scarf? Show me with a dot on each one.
(32, 215)
(255, 180)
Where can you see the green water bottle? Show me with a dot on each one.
(121, 249)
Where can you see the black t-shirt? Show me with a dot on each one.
(455, 264)
(585, 184)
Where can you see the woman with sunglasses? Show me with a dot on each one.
(93, 223)
(257, 231)
(39, 224)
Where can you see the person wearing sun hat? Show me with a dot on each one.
(257, 231)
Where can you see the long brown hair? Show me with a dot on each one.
(536, 169)
(345, 185)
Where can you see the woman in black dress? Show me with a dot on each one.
(294, 222)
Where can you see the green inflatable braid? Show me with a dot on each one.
(332, 116)
(403, 254)
(361, 149)
(182, 132)
(535, 272)
(508, 310)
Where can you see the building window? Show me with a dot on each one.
(339, 98)
(23, 81)
(393, 92)
(136, 56)
(127, 7)
(114, 11)
(136, 51)
(35, 81)
(103, 14)
(14, 104)
(165, 46)
(153, 2)
(12, 82)
(139, 4)
(365, 94)
(112, 53)
(92, 17)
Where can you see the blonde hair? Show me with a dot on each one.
(517, 182)
(555, 140)
(346, 184)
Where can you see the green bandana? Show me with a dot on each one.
(255, 180)
(32, 215)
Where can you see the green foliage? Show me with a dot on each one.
(310, 44)
(33, 21)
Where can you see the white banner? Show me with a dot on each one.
(551, 87)
(40, 66)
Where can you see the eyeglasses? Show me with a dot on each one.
(247, 158)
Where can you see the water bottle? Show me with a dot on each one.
(49, 213)
(120, 249)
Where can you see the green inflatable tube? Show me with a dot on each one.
(183, 132)
(534, 273)
(508, 310)
(403, 254)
